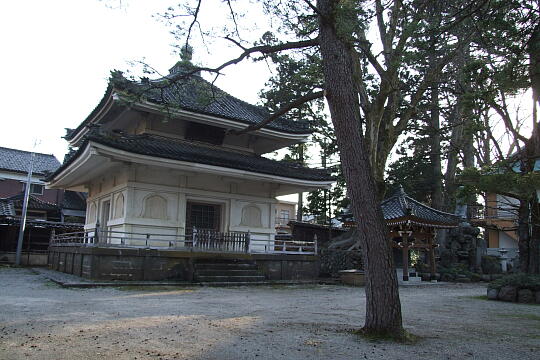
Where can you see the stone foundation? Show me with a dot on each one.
(152, 265)
(28, 258)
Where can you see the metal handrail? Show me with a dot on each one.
(197, 240)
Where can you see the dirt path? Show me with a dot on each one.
(39, 320)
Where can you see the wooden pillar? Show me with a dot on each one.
(405, 246)
(432, 265)
(405, 263)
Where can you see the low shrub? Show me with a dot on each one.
(518, 280)
(491, 265)
(457, 271)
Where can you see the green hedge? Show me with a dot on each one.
(519, 280)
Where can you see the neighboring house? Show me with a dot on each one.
(499, 219)
(47, 208)
(285, 211)
(168, 161)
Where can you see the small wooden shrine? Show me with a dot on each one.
(413, 226)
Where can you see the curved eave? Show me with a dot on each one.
(76, 172)
(77, 136)
(412, 220)
(113, 96)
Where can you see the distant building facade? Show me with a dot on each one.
(48, 209)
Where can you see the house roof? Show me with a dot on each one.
(400, 208)
(183, 90)
(33, 202)
(195, 152)
(19, 161)
(37, 223)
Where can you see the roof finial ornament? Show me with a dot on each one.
(186, 52)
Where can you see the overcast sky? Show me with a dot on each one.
(57, 55)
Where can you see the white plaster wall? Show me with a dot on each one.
(138, 183)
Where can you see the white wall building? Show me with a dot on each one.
(165, 156)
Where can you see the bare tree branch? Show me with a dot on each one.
(505, 116)
(313, 7)
(233, 17)
(263, 49)
(282, 111)
(194, 21)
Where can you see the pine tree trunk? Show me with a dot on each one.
(300, 208)
(435, 154)
(383, 308)
(523, 235)
(534, 240)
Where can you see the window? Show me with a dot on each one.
(203, 216)
(284, 214)
(205, 133)
(36, 189)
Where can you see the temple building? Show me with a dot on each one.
(166, 165)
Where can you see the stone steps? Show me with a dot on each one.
(225, 267)
(232, 272)
(227, 271)
(229, 278)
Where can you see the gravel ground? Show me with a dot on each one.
(40, 320)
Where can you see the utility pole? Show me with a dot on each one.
(300, 194)
(24, 210)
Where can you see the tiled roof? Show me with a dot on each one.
(400, 207)
(196, 152)
(48, 224)
(198, 95)
(19, 161)
(193, 93)
(33, 203)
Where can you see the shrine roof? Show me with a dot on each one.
(400, 208)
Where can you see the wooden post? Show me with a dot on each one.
(405, 246)
(432, 265)
(405, 262)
